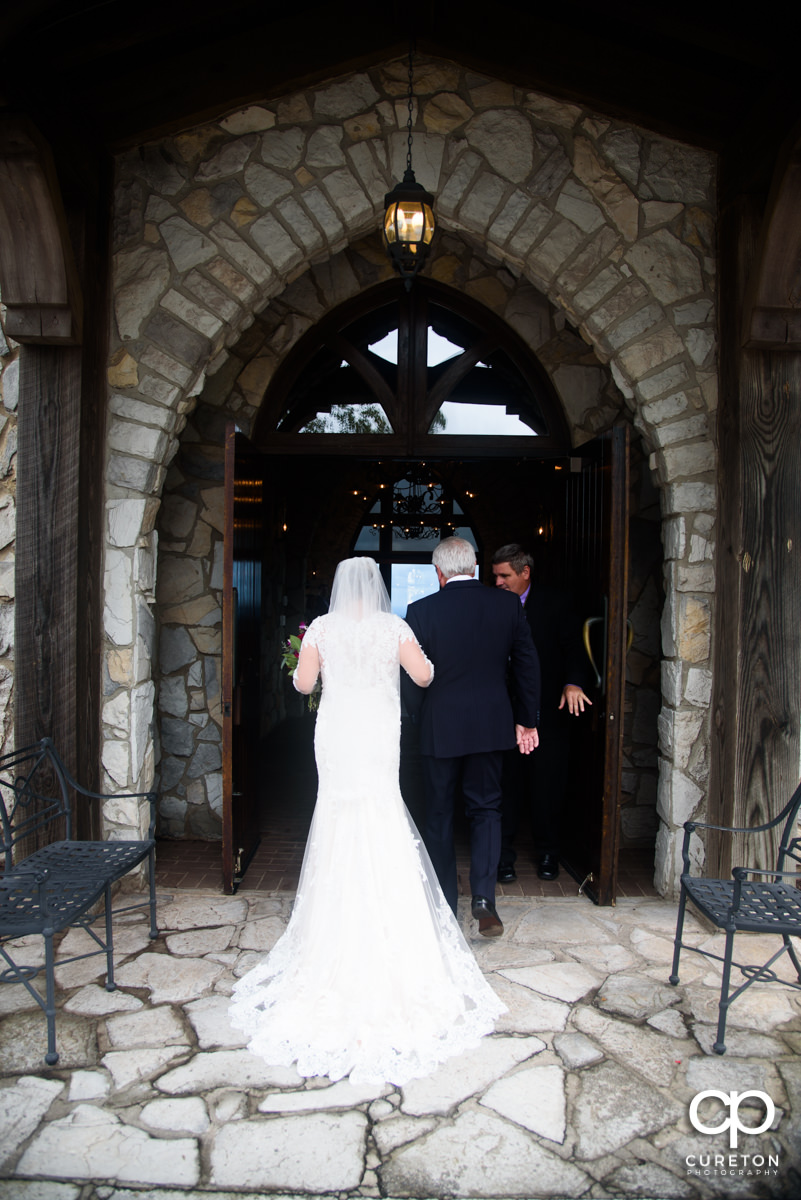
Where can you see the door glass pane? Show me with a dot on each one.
(464, 531)
(405, 542)
(367, 540)
(411, 581)
(350, 418)
(486, 419)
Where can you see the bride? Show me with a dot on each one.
(372, 978)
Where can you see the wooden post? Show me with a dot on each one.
(756, 744)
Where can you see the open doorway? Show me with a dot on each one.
(363, 506)
(403, 417)
(323, 450)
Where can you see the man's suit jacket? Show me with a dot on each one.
(472, 634)
(556, 630)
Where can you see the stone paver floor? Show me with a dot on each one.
(583, 1091)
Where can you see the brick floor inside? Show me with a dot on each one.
(289, 790)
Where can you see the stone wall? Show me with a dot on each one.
(189, 593)
(610, 227)
(9, 394)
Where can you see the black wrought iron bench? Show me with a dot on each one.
(752, 901)
(59, 884)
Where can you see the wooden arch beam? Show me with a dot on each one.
(38, 277)
(772, 310)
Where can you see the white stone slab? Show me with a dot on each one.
(37, 1189)
(170, 980)
(89, 1085)
(655, 949)
(644, 1050)
(649, 1179)
(200, 942)
(27, 951)
(94, 1001)
(149, 1027)
(533, 1097)
(615, 1106)
(576, 1050)
(564, 981)
(480, 1155)
(343, 1094)
(526, 1011)
(740, 1043)
(466, 1075)
(492, 954)
(761, 1007)
(269, 906)
(22, 1106)
(380, 1109)
(226, 1068)
(227, 957)
(77, 974)
(128, 939)
(176, 1116)
(132, 1066)
(314, 1153)
(603, 958)
(23, 1042)
(196, 912)
(93, 1144)
(210, 1021)
(635, 996)
(400, 1130)
(15, 997)
(728, 1075)
(228, 1106)
(261, 935)
(670, 1022)
(246, 962)
(564, 923)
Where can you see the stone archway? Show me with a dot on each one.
(613, 225)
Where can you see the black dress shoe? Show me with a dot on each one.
(548, 867)
(489, 923)
(507, 874)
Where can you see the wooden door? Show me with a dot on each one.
(596, 525)
(241, 692)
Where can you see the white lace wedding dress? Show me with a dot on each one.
(373, 978)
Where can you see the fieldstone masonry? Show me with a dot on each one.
(593, 239)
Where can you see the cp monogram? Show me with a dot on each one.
(732, 1101)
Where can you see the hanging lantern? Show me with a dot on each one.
(408, 213)
(408, 225)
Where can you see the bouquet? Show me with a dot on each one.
(290, 655)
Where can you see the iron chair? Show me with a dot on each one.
(59, 884)
(752, 901)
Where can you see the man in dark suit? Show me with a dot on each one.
(466, 720)
(539, 784)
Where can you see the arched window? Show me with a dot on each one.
(425, 372)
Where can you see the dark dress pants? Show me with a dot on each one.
(479, 776)
(534, 791)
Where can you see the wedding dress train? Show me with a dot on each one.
(372, 978)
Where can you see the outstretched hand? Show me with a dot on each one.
(527, 739)
(574, 698)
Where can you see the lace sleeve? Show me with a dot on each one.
(412, 658)
(308, 667)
